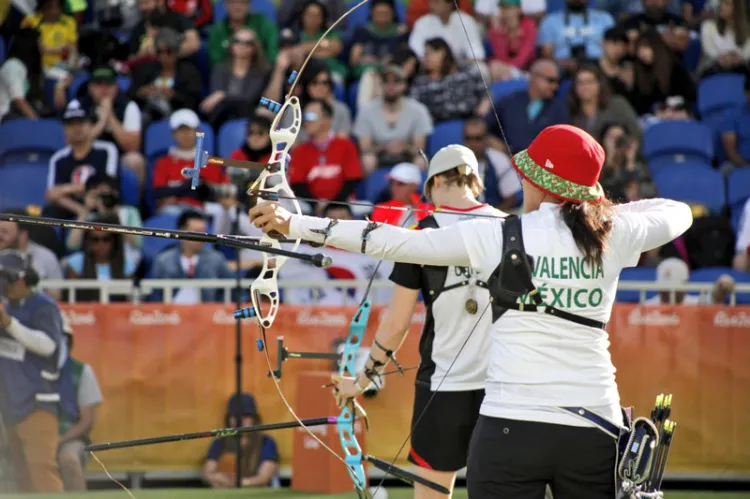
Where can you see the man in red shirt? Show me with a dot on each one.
(325, 167)
(171, 188)
(405, 181)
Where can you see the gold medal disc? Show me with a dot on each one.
(471, 306)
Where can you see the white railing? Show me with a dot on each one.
(168, 286)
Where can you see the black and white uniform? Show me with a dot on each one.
(550, 389)
(441, 439)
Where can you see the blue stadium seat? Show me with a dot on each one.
(130, 192)
(124, 83)
(635, 274)
(339, 91)
(692, 183)
(677, 141)
(352, 97)
(76, 84)
(712, 273)
(357, 18)
(231, 136)
(376, 183)
(23, 184)
(738, 192)
(720, 92)
(445, 133)
(500, 89)
(30, 141)
(2, 49)
(153, 245)
(220, 11)
(692, 55)
(716, 121)
(158, 139)
(564, 88)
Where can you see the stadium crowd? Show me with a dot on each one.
(104, 99)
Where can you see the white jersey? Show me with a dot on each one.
(448, 324)
(538, 363)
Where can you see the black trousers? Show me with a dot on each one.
(511, 459)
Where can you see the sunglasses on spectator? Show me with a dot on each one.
(100, 239)
(549, 79)
(243, 41)
(474, 137)
(311, 116)
(324, 81)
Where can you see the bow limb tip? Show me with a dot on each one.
(245, 313)
(322, 261)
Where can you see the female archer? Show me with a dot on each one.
(551, 412)
(447, 398)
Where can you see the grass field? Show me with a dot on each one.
(393, 493)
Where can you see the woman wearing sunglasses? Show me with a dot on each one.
(551, 412)
(238, 83)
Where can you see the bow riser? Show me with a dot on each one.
(273, 180)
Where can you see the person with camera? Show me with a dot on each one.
(31, 352)
(102, 198)
(623, 176)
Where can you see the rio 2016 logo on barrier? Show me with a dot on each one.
(322, 318)
(643, 316)
(724, 318)
(155, 318)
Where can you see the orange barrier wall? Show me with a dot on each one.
(166, 369)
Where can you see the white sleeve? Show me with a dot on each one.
(486, 8)
(131, 121)
(648, 224)
(36, 341)
(476, 45)
(743, 230)
(417, 38)
(113, 158)
(13, 74)
(427, 247)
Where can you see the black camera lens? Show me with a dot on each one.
(109, 199)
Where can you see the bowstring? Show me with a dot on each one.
(392, 464)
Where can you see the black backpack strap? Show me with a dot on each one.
(428, 223)
(513, 278)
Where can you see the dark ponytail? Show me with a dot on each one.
(590, 225)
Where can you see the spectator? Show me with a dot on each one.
(449, 91)
(237, 84)
(102, 258)
(502, 184)
(725, 39)
(525, 113)
(172, 190)
(394, 128)
(742, 248)
(260, 455)
(420, 8)
(200, 13)
(371, 83)
(71, 167)
(573, 34)
(154, 16)
(118, 118)
(325, 167)
(102, 198)
(16, 237)
(311, 28)
(58, 33)
(614, 63)
(623, 177)
(658, 74)
(168, 82)
(673, 108)
(317, 84)
(654, 17)
(191, 260)
(239, 16)
(591, 104)
(403, 197)
(257, 147)
(31, 331)
(512, 37)
(375, 43)
(674, 271)
(445, 22)
(487, 10)
(80, 390)
(290, 10)
(21, 77)
(735, 134)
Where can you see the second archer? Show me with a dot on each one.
(452, 295)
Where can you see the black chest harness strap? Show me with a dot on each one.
(512, 279)
(433, 278)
